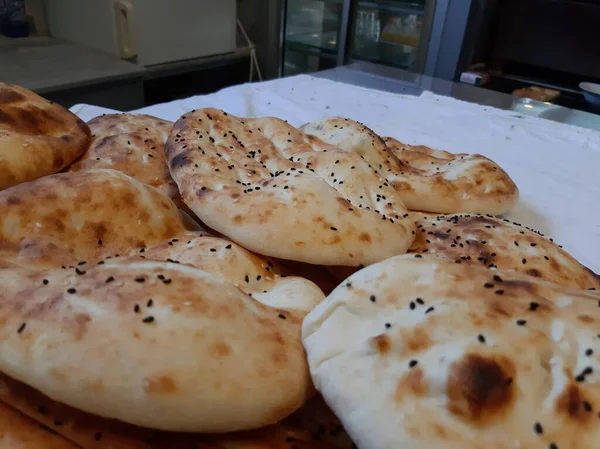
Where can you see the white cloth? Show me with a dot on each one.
(555, 165)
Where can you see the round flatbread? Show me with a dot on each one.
(70, 217)
(499, 243)
(159, 345)
(252, 274)
(260, 183)
(133, 144)
(17, 431)
(314, 426)
(425, 179)
(37, 137)
(420, 352)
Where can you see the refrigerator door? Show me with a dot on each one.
(388, 32)
(311, 35)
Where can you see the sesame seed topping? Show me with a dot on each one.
(348, 284)
(150, 303)
(45, 281)
(247, 278)
(388, 325)
(420, 301)
(282, 316)
(109, 279)
(488, 285)
(71, 291)
(136, 308)
(521, 322)
(481, 338)
(412, 363)
(589, 352)
(140, 279)
(148, 319)
(21, 328)
(499, 292)
(412, 305)
(372, 298)
(587, 406)
(537, 427)
(497, 278)
(333, 228)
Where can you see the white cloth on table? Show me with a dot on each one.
(555, 165)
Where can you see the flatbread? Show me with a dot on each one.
(156, 344)
(499, 243)
(133, 144)
(20, 432)
(314, 426)
(260, 183)
(70, 217)
(419, 352)
(37, 137)
(425, 179)
(227, 260)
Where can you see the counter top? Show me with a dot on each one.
(45, 64)
(399, 81)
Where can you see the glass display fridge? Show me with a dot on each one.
(322, 34)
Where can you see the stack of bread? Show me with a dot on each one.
(228, 283)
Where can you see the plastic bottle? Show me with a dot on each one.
(15, 20)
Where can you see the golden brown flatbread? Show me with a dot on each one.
(37, 137)
(68, 218)
(312, 427)
(260, 183)
(455, 356)
(158, 344)
(425, 179)
(499, 243)
(18, 431)
(133, 144)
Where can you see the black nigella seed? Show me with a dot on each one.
(109, 279)
(228, 246)
(247, 278)
(499, 292)
(45, 281)
(412, 363)
(497, 278)
(552, 446)
(587, 406)
(388, 325)
(589, 352)
(420, 301)
(21, 328)
(213, 250)
(140, 279)
(71, 291)
(488, 285)
(372, 298)
(148, 319)
(481, 338)
(521, 322)
(282, 316)
(533, 306)
(79, 272)
(150, 303)
(412, 305)
(431, 309)
(99, 241)
(348, 284)
(333, 228)
(136, 308)
(167, 281)
(538, 428)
